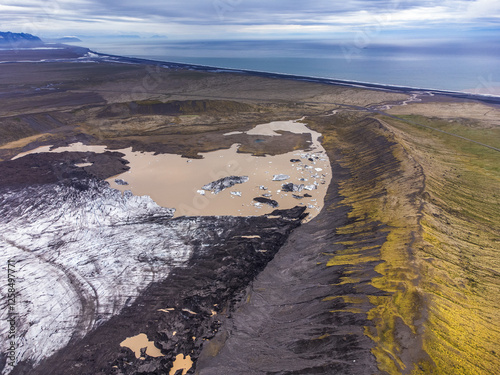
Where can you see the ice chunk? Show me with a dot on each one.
(280, 177)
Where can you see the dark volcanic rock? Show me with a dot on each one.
(120, 265)
(292, 187)
(121, 182)
(270, 202)
(226, 258)
(44, 168)
(224, 183)
(293, 320)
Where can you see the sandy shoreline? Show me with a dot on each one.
(489, 98)
(66, 53)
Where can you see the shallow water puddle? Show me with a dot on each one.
(176, 182)
(81, 165)
(75, 147)
(136, 343)
(181, 362)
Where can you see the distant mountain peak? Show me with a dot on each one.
(68, 38)
(19, 39)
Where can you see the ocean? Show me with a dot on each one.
(467, 65)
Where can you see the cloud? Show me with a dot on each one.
(484, 9)
(233, 18)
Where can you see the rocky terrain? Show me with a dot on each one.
(398, 274)
(85, 253)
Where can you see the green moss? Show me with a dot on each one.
(438, 210)
(383, 222)
(459, 280)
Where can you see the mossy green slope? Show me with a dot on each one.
(434, 198)
(458, 252)
(383, 192)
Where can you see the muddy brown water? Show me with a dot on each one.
(176, 182)
(181, 362)
(140, 341)
(136, 343)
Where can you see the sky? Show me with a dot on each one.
(253, 19)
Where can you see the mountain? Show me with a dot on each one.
(67, 39)
(19, 40)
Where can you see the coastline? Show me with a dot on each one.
(489, 98)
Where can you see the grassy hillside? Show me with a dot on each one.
(434, 200)
(458, 250)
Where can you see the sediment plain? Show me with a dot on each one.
(398, 274)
